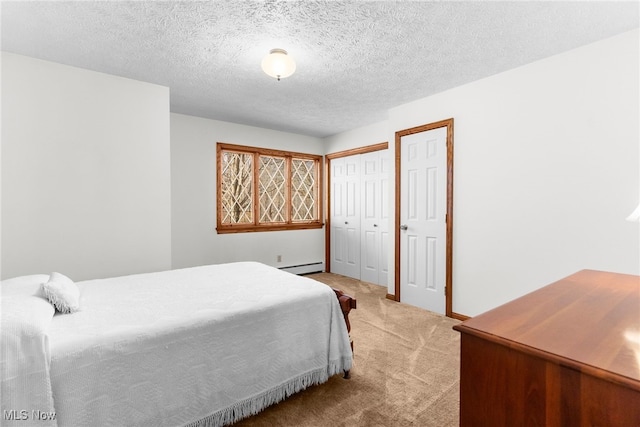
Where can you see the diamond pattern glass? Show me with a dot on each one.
(236, 186)
(272, 189)
(303, 190)
(266, 190)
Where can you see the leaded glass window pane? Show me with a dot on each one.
(272, 189)
(236, 188)
(303, 190)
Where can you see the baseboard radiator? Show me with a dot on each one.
(314, 267)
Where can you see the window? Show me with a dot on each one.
(267, 190)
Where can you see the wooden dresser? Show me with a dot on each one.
(565, 355)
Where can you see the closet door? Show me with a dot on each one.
(345, 216)
(374, 169)
(383, 228)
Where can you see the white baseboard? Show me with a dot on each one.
(314, 267)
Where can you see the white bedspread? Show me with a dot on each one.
(206, 345)
(24, 362)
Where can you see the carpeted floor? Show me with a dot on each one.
(406, 370)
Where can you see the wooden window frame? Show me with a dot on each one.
(256, 225)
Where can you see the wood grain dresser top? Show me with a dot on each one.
(589, 321)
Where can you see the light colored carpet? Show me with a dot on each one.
(406, 370)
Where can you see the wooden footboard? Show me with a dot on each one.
(347, 303)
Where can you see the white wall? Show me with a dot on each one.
(546, 166)
(193, 177)
(85, 172)
(367, 135)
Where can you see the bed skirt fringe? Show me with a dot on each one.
(255, 404)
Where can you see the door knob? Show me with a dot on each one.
(404, 227)
(375, 225)
(346, 222)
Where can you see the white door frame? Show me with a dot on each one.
(327, 165)
(448, 123)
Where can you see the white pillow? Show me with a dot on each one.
(62, 293)
(24, 285)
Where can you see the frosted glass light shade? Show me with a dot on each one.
(278, 64)
(635, 215)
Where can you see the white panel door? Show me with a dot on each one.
(345, 217)
(337, 232)
(383, 225)
(423, 219)
(374, 169)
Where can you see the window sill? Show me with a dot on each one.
(227, 229)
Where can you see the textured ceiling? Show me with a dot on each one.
(355, 59)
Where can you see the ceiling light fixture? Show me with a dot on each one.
(278, 64)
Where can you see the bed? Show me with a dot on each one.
(202, 346)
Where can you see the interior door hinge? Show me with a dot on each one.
(445, 290)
